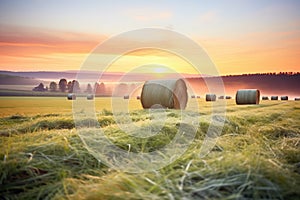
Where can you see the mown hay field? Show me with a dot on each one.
(257, 155)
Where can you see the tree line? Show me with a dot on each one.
(101, 89)
(62, 86)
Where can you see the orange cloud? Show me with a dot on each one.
(25, 48)
(19, 41)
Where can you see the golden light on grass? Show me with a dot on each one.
(256, 156)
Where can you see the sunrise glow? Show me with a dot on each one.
(247, 37)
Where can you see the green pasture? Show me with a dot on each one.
(256, 156)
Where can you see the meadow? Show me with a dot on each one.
(256, 156)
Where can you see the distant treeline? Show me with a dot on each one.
(269, 83)
(101, 89)
(269, 74)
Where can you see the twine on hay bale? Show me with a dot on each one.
(171, 93)
(265, 98)
(284, 98)
(90, 97)
(250, 96)
(71, 97)
(274, 98)
(210, 97)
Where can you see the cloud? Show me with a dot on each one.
(24, 41)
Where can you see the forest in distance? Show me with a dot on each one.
(286, 83)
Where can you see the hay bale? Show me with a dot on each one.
(198, 97)
(221, 97)
(210, 97)
(228, 97)
(193, 97)
(297, 99)
(274, 98)
(170, 93)
(265, 98)
(284, 98)
(90, 97)
(138, 97)
(126, 97)
(71, 97)
(250, 96)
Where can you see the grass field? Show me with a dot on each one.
(257, 155)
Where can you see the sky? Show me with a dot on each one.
(239, 36)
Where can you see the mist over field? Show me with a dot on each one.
(131, 84)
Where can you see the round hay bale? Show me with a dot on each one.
(274, 98)
(71, 97)
(198, 97)
(170, 93)
(193, 97)
(126, 97)
(221, 97)
(265, 98)
(284, 98)
(210, 97)
(250, 96)
(228, 97)
(138, 97)
(90, 97)
(297, 99)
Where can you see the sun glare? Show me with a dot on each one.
(159, 70)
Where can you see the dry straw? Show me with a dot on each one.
(170, 93)
(250, 96)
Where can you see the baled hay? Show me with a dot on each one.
(250, 96)
(284, 98)
(265, 98)
(210, 97)
(228, 97)
(297, 99)
(71, 97)
(274, 97)
(166, 93)
(90, 97)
